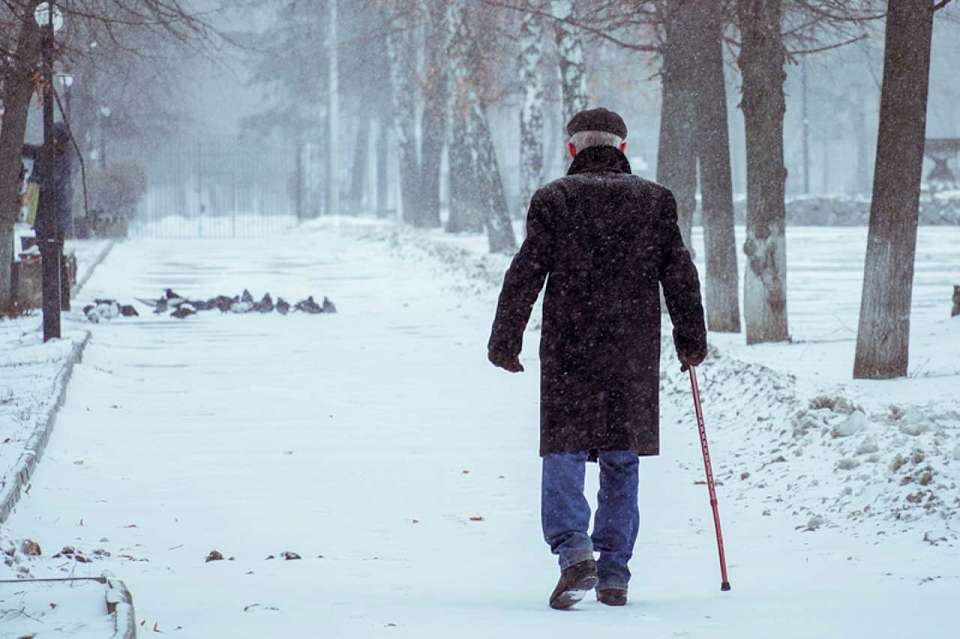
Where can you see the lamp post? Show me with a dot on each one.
(48, 228)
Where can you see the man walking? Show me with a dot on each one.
(604, 240)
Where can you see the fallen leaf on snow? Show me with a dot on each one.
(476, 518)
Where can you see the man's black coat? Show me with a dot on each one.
(603, 239)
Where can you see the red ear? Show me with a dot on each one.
(572, 149)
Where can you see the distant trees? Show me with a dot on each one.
(120, 54)
(883, 336)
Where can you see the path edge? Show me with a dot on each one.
(22, 470)
(120, 605)
(88, 272)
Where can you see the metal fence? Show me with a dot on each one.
(218, 189)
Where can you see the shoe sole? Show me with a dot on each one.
(570, 597)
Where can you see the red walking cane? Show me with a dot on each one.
(708, 468)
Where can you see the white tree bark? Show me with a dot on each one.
(333, 115)
(403, 85)
(573, 76)
(480, 186)
(531, 109)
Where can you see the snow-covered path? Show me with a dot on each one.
(365, 441)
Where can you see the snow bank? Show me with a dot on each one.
(816, 453)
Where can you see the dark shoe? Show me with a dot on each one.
(574, 584)
(612, 597)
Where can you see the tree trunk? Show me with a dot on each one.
(361, 161)
(402, 56)
(712, 143)
(434, 122)
(761, 63)
(883, 338)
(676, 156)
(333, 114)
(531, 108)
(383, 156)
(17, 91)
(479, 186)
(573, 75)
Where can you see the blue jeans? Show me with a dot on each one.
(565, 513)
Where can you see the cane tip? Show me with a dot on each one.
(725, 586)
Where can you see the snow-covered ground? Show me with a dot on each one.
(29, 368)
(379, 446)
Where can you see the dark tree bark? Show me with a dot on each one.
(17, 91)
(761, 63)
(712, 144)
(883, 338)
(676, 158)
(434, 121)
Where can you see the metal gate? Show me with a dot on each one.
(218, 189)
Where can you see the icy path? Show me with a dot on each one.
(371, 438)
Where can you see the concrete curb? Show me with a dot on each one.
(88, 273)
(120, 605)
(19, 475)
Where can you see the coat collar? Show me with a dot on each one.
(599, 159)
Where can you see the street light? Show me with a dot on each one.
(48, 228)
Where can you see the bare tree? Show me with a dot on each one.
(123, 26)
(573, 76)
(883, 338)
(761, 62)
(531, 104)
(480, 186)
(712, 144)
(401, 53)
(435, 105)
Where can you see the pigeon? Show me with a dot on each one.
(283, 307)
(242, 305)
(183, 310)
(328, 306)
(220, 302)
(200, 305)
(101, 310)
(309, 305)
(246, 297)
(173, 299)
(265, 305)
(127, 310)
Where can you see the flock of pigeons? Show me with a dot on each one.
(180, 307)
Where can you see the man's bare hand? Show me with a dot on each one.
(506, 362)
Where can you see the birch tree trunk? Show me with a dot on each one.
(531, 107)
(573, 76)
(883, 338)
(17, 91)
(479, 184)
(333, 114)
(434, 121)
(761, 63)
(401, 54)
(676, 155)
(712, 144)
